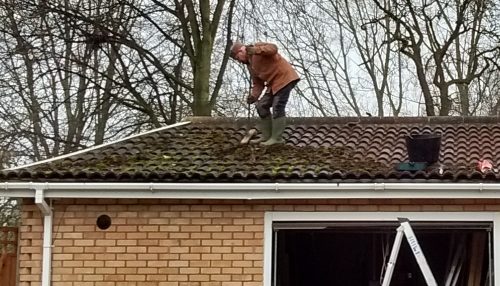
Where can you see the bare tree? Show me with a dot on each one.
(78, 73)
(445, 41)
(346, 64)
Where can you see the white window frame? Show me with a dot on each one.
(271, 217)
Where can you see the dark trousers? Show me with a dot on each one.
(277, 101)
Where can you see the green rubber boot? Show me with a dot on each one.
(279, 125)
(265, 126)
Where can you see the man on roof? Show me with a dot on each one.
(269, 71)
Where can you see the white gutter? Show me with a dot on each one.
(47, 236)
(253, 191)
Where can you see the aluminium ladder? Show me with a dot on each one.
(405, 229)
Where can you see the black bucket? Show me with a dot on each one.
(423, 147)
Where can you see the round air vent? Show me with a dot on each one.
(103, 222)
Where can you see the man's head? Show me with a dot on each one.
(238, 52)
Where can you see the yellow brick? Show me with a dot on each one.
(94, 249)
(252, 256)
(210, 270)
(105, 242)
(117, 249)
(126, 256)
(159, 221)
(59, 270)
(237, 277)
(126, 228)
(98, 283)
(137, 235)
(131, 242)
(149, 270)
(74, 221)
(200, 221)
(243, 235)
(178, 249)
(147, 256)
(220, 277)
(30, 250)
(84, 242)
(236, 242)
(95, 263)
(105, 270)
(200, 235)
(232, 283)
(220, 263)
(135, 263)
(95, 277)
(179, 235)
(221, 221)
(157, 264)
(225, 249)
(114, 263)
(69, 249)
(199, 277)
(84, 256)
(148, 228)
(158, 249)
(147, 242)
(168, 271)
(116, 235)
(213, 242)
(175, 277)
(105, 256)
(243, 221)
(128, 270)
(83, 270)
(136, 249)
(232, 256)
(62, 256)
(233, 228)
(178, 263)
(242, 264)
(157, 277)
(94, 235)
(199, 263)
(211, 228)
(170, 228)
(190, 228)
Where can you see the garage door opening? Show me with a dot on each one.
(356, 253)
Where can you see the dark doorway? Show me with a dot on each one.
(356, 253)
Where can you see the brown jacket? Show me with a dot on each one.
(268, 68)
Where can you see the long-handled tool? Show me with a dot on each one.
(252, 131)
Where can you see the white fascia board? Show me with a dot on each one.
(253, 191)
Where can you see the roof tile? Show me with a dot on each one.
(345, 149)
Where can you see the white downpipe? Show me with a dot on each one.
(47, 250)
(253, 191)
(47, 236)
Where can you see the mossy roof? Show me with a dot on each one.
(366, 149)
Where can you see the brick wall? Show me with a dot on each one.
(174, 242)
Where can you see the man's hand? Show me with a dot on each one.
(251, 99)
(250, 50)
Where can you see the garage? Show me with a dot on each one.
(459, 253)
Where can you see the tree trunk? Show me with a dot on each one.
(201, 102)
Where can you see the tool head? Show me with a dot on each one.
(248, 136)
